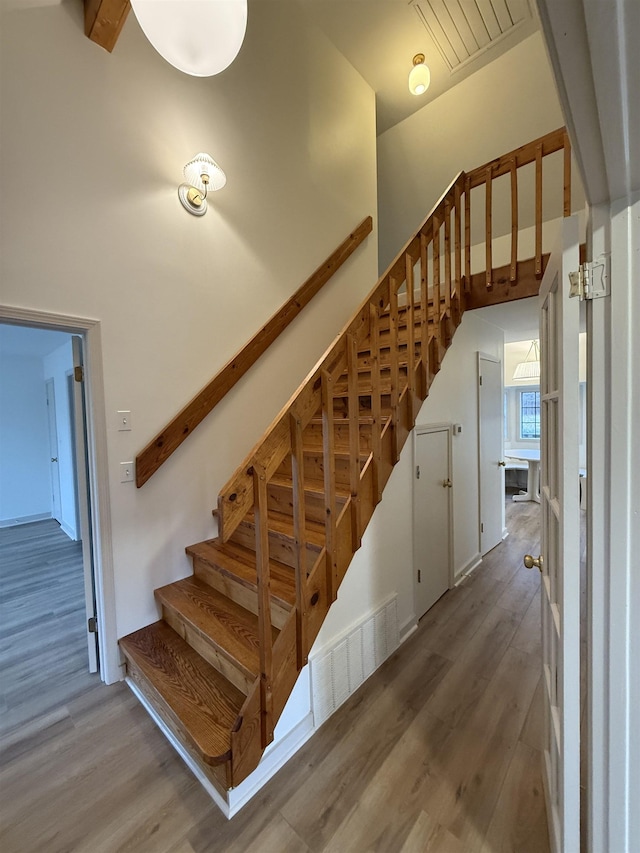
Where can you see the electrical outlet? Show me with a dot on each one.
(127, 470)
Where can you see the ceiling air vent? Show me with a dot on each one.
(462, 29)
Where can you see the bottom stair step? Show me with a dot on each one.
(202, 705)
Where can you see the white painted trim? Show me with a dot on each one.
(409, 627)
(110, 670)
(470, 566)
(483, 356)
(69, 531)
(24, 519)
(320, 651)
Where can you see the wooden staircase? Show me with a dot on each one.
(220, 664)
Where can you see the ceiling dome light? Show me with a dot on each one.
(198, 37)
(419, 76)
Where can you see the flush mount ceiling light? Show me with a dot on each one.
(203, 175)
(198, 37)
(419, 76)
(530, 367)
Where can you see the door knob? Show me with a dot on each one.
(502, 464)
(530, 561)
(447, 484)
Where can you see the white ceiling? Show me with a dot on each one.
(27, 342)
(457, 37)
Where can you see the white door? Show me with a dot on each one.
(560, 563)
(54, 467)
(82, 469)
(490, 432)
(432, 502)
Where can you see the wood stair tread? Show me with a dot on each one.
(239, 563)
(223, 623)
(206, 704)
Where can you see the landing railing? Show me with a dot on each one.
(372, 379)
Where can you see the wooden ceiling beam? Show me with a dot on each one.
(104, 19)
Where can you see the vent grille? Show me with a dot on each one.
(461, 29)
(338, 673)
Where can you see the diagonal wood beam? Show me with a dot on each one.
(104, 19)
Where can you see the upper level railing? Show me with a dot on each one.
(372, 380)
(171, 437)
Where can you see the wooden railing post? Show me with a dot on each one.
(376, 409)
(513, 274)
(411, 342)
(489, 228)
(328, 463)
(354, 438)
(264, 603)
(458, 250)
(424, 313)
(300, 539)
(393, 363)
(467, 234)
(447, 256)
(539, 211)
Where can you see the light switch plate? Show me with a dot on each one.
(123, 421)
(127, 470)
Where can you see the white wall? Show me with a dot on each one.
(384, 564)
(502, 106)
(56, 366)
(176, 296)
(25, 484)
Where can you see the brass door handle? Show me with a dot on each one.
(530, 561)
(502, 464)
(447, 484)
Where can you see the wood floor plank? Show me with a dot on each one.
(384, 773)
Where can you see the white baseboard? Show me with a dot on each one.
(408, 627)
(70, 531)
(24, 519)
(469, 567)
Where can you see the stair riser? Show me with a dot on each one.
(212, 654)
(313, 436)
(280, 499)
(314, 468)
(281, 547)
(246, 597)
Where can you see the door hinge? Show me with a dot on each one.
(481, 527)
(419, 576)
(92, 625)
(591, 280)
(417, 472)
(480, 380)
(78, 373)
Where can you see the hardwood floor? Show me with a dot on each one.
(438, 751)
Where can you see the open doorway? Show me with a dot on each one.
(45, 538)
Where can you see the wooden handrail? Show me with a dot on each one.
(410, 359)
(163, 445)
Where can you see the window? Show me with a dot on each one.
(529, 414)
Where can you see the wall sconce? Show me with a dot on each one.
(419, 76)
(198, 37)
(203, 175)
(530, 367)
